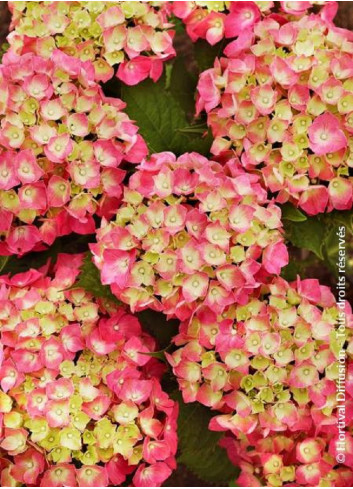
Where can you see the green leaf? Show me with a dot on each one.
(198, 446)
(157, 354)
(3, 48)
(331, 249)
(300, 266)
(317, 234)
(290, 271)
(178, 24)
(183, 86)
(291, 213)
(205, 54)
(344, 218)
(158, 326)
(89, 279)
(3, 262)
(161, 119)
(308, 234)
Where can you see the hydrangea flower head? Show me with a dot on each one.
(281, 99)
(80, 397)
(270, 365)
(61, 143)
(214, 21)
(287, 459)
(190, 232)
(135, 36)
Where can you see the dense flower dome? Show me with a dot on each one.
(80, 399)
(214, 21)
(61, 143)
(135, 36)
(272, 364)
(303, 459)
(281, 99)
(190, 232)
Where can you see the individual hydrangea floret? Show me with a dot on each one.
(269, 365)
(286, 459)
(214, 21)
(281, 98)
(135, 36)
(189, 232)
(80, 397)
(61, 143)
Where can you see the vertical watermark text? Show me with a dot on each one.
(341, 334)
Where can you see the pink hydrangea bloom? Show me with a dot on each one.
(136, 36)
(214, 21)
(189, 232)
(269, 365)
(61, 143)
(281, 100)
(301, 459)
(78, 387)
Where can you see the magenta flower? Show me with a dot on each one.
(190, 232)
(325, 135)
(137, 69)
(268, 365)
(217, 20)
(287, 460)
(80, 401)
(60, 475)
(279, 99)
(62, 141)
(136, 37)
(152, 476)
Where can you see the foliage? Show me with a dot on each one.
(318, 235)
(162, 119)
(198, 446)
